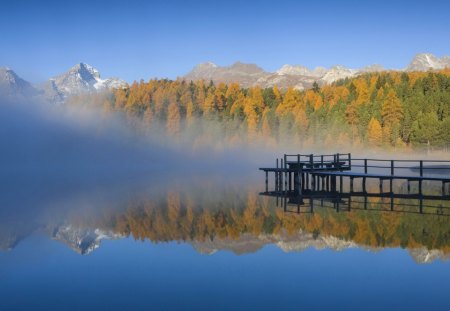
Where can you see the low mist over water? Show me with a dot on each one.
(59, 156)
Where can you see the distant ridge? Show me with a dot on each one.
(298, 76)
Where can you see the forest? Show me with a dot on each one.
(387, 110)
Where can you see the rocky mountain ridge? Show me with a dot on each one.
(298, 76)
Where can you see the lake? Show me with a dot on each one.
(217, 244)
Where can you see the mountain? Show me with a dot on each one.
(293, 71)
(247, 75)
(11, 85)
(81, 78)
(338, 73)
(298, 76)
(427, 61)
(244, 74)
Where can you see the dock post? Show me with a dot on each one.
(341, 186)
(392, 167)
(321, 161)
(420, 181)
(364, 184)
(285, 172)
(300, 188)
(381, 186)
(443, 188)
(296, 182)
(303, 180)
(281, 176)
(351, 184)
(350, 160)
(365, 166)
(267, 181)
(298, 185)
(290, 181)
(276, 178)
(337, 161)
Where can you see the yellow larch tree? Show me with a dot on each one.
(290, 100)
(374, 133)
(392, 110)
(362, 90)
(173, 119)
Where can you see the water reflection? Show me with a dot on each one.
(238, 219)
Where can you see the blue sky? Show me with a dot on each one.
(145, 39)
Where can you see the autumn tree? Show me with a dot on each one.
(392, 110)
(173, 119)
(374, 133)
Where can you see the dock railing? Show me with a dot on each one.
(393, 166)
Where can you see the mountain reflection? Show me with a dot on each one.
(242, 221)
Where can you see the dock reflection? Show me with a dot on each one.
(309, 200)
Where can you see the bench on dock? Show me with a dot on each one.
(316, 165)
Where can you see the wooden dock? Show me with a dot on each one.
(303, 174)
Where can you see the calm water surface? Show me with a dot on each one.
(222, 246)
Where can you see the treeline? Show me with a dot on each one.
(381, 110)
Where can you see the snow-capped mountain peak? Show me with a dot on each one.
(426, 61)
(81, 78)
(85, 71)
